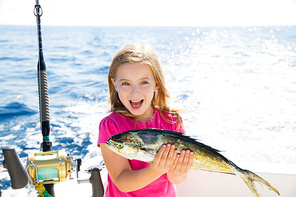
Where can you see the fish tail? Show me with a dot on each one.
(249, 178)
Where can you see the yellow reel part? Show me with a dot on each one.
(52, 167)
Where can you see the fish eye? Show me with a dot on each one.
(119, 146)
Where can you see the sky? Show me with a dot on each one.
(150, 13)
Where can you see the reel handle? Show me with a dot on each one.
(18, 175)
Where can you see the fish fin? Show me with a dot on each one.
(175, 133)
(249, 178)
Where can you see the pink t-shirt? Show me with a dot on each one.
(115, 123)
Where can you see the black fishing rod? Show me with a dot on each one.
(42, 87)
(43, 93)
(47, 167)
(95, 179)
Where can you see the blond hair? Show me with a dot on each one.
(134, 53)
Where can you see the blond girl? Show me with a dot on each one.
(139, 99)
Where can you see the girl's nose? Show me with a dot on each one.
(134, 90)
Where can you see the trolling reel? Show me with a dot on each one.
(48, 168)
(42, 167)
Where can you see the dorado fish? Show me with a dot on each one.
(143, 145)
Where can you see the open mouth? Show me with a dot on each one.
(136, 104)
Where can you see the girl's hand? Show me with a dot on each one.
(164, 159)
(181, 166)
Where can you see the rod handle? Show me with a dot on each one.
(18, 175)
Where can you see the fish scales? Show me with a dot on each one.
(204, 158)
(143, 145)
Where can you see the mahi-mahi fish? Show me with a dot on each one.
(143, 145)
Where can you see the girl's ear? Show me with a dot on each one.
(114, 83)
(155, 88)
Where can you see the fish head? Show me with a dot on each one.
(132, 145)
(124, 144)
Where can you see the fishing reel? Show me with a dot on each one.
(42, 167)
(49, 167)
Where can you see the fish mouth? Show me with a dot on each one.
(110, 144)
(136, 104)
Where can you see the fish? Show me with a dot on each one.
(143, 145)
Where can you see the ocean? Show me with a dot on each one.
(236, 84)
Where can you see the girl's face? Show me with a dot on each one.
(135, 85)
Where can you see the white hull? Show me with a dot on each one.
(208, 184)
(198, 184)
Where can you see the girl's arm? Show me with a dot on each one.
(182, 165)
(128, 180)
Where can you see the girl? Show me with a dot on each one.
(138, 100)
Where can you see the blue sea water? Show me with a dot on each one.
(238, 85)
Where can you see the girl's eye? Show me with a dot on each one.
(125, 84)
(144, 82)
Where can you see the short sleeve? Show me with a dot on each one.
(107, 128)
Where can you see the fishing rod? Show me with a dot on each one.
(42, 86)
(95, 179)
(47, 167)
(43, 93)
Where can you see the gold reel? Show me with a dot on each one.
(49, 167)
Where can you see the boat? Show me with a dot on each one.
(198, 183)
(208, 184)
